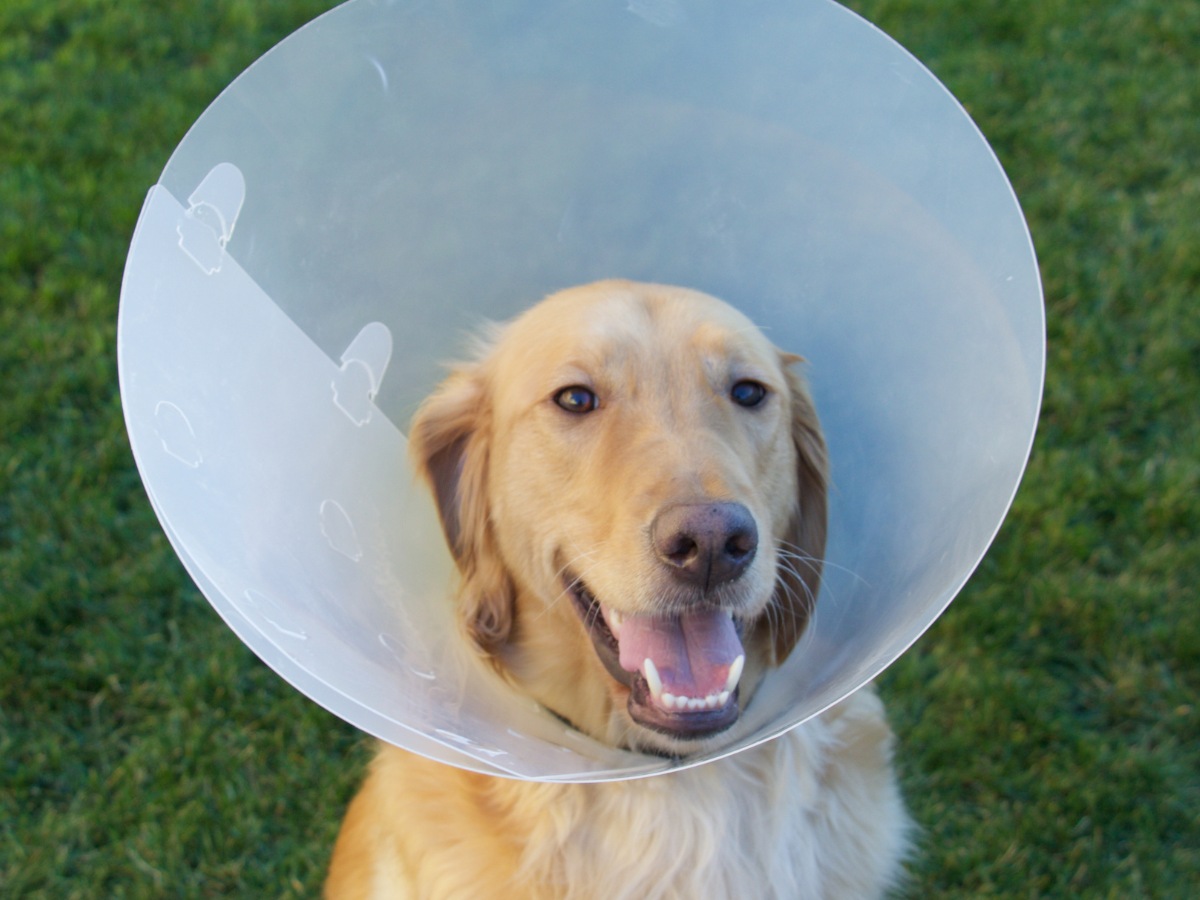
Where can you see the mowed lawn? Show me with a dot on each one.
(1049, 729)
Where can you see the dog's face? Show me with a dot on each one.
(633, 484)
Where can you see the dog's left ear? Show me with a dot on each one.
(449, 443)
(804, 550)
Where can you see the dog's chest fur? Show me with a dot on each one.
(705, 832)
(803, 816)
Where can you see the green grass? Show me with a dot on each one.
(1049, 726)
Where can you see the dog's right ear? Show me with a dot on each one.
(449, 443)
(800, 579)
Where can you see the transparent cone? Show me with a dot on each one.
(389, 177)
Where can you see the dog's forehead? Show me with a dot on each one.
(623, 320)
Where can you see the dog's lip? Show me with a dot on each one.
(604, 641)
(678, 723)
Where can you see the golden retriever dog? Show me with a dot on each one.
(633, 483)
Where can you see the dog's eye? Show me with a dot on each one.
(576, 399)
(748, 393)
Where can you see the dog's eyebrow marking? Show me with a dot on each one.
(722, 368)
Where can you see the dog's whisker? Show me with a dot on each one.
(572, 565)
(797, 552)
(814, 564)
(800, 608)
(790, 561)
(806, 601)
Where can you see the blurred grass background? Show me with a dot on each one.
(1048, 722)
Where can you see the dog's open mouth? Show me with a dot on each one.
(682, 671)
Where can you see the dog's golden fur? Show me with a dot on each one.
(564, 459)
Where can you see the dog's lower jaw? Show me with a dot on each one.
(697, 724)
(658, 721)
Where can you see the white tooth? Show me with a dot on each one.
(668, 701)
(735, 673)
(711, 701)
(695, 704)
(652, 679)
(722, 698)
(614, 622)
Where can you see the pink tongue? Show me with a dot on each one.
(692, 652)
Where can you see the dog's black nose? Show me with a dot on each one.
(705, 544)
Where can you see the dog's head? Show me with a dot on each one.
(632, 480)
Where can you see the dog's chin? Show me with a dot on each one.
(663, 723)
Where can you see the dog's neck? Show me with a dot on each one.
(714, 830)
(550, 658)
